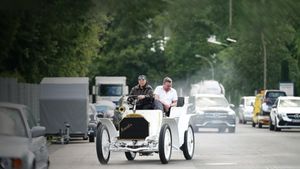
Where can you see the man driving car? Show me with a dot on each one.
(144, 93)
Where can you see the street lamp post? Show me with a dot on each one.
(210, 63)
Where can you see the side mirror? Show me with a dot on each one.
(38, 131)
(232, 105)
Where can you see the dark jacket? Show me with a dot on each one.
(147, 91)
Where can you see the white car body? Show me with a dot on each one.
(30, 148)
(246, 109)
(285, 113)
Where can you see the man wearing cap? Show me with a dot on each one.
(165, 96)
(144, 93)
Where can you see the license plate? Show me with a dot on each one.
(296, 121)
(216, 121)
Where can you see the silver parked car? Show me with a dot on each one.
(214, 111)
(22, 143)
(246, 109)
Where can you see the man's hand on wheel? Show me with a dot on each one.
(140, 97)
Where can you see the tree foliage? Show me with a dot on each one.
(157, 38)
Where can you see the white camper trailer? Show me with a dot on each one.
(64, 103)
(207, 87)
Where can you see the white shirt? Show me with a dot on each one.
(168, 97)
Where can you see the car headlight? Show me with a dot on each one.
(200, 113)
(231, 113)
(7, 163)
(281, 115)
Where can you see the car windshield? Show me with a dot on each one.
(110, 90)
(11, 123)
(289, 103)
(249, 102)
(275, 94)
(211, 102)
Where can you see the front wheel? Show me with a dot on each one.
(102, 144)
(130, 156)
(188, 146)
(253, 124)
(275, 126)
(165, 144)
(271, 126)
(231, 129)
(221, 129)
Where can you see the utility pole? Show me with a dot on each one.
(265, 58)
(230, 15)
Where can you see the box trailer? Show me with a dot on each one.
(64, 104)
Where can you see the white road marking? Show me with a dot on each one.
(220, 164)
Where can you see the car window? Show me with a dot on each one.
(212, 102)
(12, 123)
(30, 118)
(242, 101)
(289, 103)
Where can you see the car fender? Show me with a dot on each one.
(174, 131)
(113, 133)
(183, 124)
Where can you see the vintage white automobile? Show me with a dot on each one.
(146, 132)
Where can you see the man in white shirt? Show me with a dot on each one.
(165, 96)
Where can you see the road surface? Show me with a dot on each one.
(248, 148)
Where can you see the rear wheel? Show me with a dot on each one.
(188, 146)
(130, 155)
(102, 144)
(165, 144)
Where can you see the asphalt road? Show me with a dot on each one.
(248, 148)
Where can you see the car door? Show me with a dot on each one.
(38, 145)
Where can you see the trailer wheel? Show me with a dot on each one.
(92, 138)
(130, 156)
(102, 144)
(165, 144)
(188, 146)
